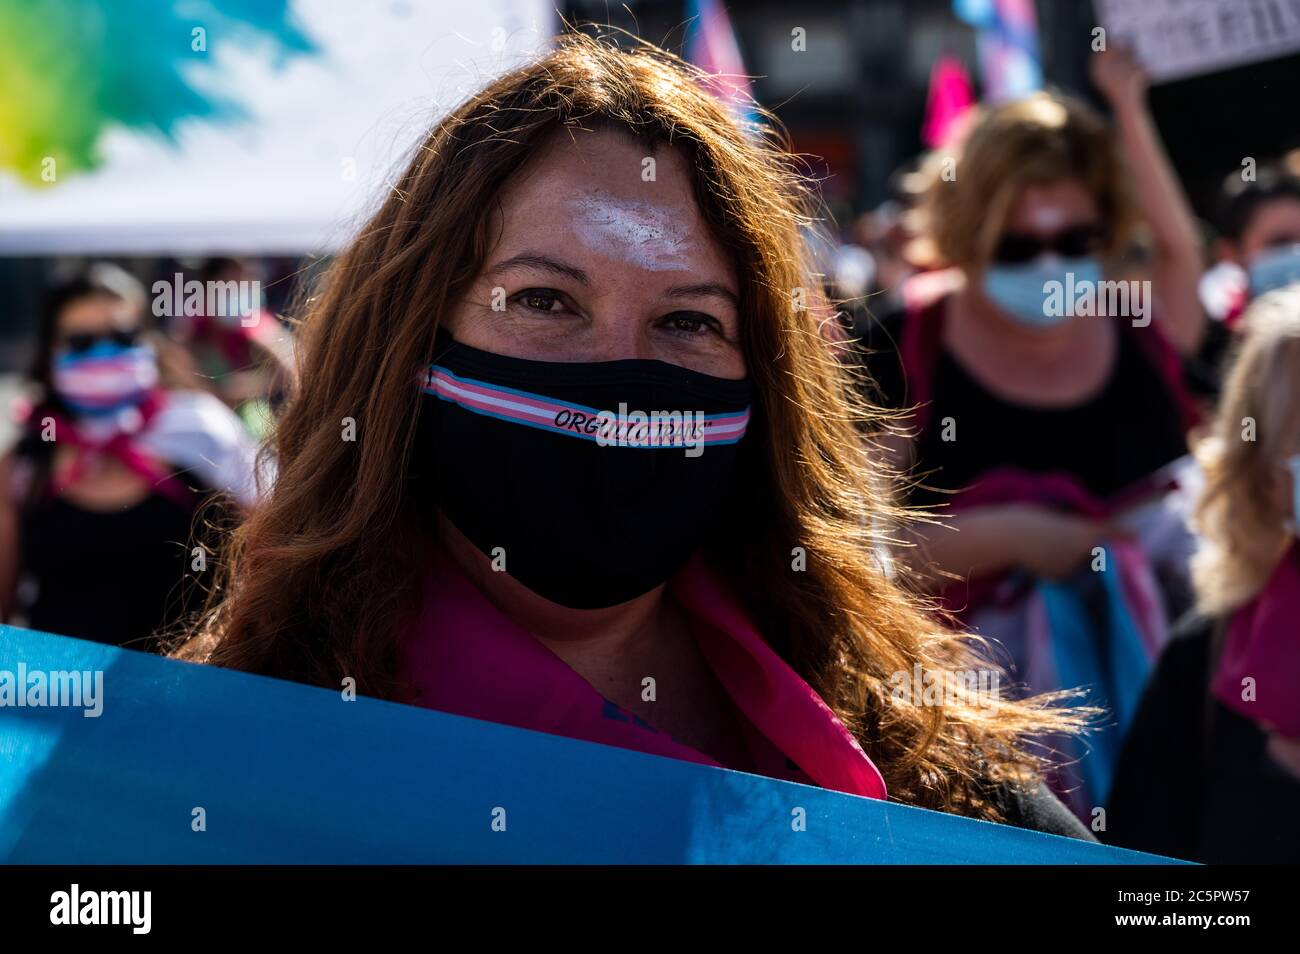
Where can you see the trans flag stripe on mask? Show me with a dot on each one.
(653, 428)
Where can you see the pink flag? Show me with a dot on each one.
(949, 99)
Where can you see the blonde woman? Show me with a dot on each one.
(1045, 402)
(1211, 768)
(999, 378)
(503, 540)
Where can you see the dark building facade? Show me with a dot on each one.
(856, 96)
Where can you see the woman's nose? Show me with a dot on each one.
(617, 337)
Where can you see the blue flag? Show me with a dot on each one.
(114, 756)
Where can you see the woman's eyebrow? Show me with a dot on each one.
(544, 262)
(716, 289)
(536, 260)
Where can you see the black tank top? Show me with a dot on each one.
(117, 576)
(1124, 433)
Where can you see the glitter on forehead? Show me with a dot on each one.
(643, 233)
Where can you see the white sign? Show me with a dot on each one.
(1174, 39)
(321, 135)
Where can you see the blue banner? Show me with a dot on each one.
(114, 756)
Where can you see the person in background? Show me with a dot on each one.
(1259, 225)
(1210, 770)
(113, 475)
(1045, 436)
(1258, 249)
(240, 350)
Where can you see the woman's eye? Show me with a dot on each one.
(539, 299)
(689, 323)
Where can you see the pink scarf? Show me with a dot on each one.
(1263, 644)
(466, 657)
(120, 443)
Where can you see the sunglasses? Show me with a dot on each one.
(1015, 248)
(81, 342)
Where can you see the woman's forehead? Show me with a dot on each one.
(608, 195)
(96, 312)
(1045, 206)
(1277, 218)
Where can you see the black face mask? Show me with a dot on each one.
(589, 510)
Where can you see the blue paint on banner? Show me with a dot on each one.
(286, 773)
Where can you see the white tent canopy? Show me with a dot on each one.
(326, 132)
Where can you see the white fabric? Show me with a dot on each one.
(195, 431)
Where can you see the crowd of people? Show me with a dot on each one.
(1055, 447)
(931, 465)
(1059, 450)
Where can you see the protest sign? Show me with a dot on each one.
(1175, 39)
(150, 760)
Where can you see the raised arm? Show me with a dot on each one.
(1160, 197)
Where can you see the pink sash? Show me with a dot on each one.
(121, 445)
(466, 657)
(1263, 644)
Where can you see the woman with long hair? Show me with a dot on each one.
(570, 452)
(1038, 193)
(1211, 768)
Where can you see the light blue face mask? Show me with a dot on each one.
(1274, 268)
(1024, 291)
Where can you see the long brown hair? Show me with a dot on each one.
(317, 581)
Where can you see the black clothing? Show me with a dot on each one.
(107, 576)
(1041, 810)
(1206, 368)
(1195, 779)
(1125, 433)
(112, 576)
